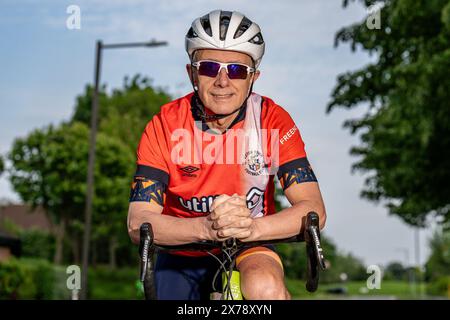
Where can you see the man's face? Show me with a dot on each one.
(220, 94)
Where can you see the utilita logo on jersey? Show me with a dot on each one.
(203, 204)
(199, 205)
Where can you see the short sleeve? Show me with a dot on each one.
(291, 143)
(291, 148)
(151, 151)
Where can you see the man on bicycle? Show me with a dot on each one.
(206, 165)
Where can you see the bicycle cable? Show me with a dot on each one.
(221, 266)
(232, 261)
(230, 257)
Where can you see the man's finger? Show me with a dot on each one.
(230, 221)
(239, 200)
(231, 232)
(227, 204)
(243, 235)
(227, 209)
(222, 209)
(219, 200)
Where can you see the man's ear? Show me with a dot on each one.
(256, 76)
(191, 76)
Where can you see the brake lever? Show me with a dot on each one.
(315, 235)
(146, 241)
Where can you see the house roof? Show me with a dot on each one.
(24, 217)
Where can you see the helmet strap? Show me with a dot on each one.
(199, 107)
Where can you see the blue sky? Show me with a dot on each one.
(44, 66)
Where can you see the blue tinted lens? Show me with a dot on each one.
(237, 71)
(209, 68)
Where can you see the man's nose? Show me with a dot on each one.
(222, 78)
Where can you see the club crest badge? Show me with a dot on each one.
(254, 163)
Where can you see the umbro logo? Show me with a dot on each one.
(189, 171)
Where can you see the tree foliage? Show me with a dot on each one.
(405, 133)
(49, 169)
(295, 260)
(125, 112)
(438, 264)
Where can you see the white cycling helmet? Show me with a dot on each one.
(226, 30)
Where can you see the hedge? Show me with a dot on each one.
(32, 279)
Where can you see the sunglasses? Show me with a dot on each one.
(212, 68)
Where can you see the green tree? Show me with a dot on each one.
(111, 194)
(294, 258)
(406, 130)
(123, 115)
(125, 112)
(438, 264)
(343, 263)
(49, 169)
(396, 271)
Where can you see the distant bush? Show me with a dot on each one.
(38, 279)
(37, 244)
(347, 264)
(107, 283)
(439, 287)
(438, 264)
(396, 271)
(12, 276)
(32, 279)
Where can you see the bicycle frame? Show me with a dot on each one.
(310, 235)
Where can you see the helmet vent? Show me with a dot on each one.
(258, 39)
(191, 33)
(206, 24)
(243, 26)
(225, 17)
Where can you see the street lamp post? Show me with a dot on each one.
(410, 272)
(418, 262)
(92, 143)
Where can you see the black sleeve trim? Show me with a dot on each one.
(152, 174)
(296, 172)
(291, 165)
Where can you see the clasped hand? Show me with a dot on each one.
(230, 218)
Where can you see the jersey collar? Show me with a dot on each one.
(196, 105)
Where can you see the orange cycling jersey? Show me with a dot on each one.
(195, 165)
